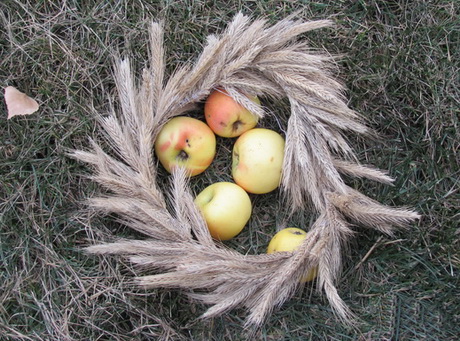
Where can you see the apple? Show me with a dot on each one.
(226, 117)
(257, 160)
(188, 142)
(226, 207)
(289, 239)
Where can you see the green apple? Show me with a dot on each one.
(257, 160)
(188, 142)
(226, 207)
(226, 117)
(289, 239)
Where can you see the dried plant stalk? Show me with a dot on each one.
(246, 58)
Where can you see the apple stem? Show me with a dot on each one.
(236, 125)
(182, 155)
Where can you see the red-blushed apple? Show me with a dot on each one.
(188, 142)
(289, 239)
(226, 207)
(257, 160)
(226, 117)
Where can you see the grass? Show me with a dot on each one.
(401, 68)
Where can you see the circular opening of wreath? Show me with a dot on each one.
(307, 162)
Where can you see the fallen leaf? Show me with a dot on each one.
(18, 103)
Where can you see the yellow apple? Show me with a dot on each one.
(188, 142)
(226, 207)
(289, 239)
(226, 117)
(257, 160)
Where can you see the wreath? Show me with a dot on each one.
(178, 250)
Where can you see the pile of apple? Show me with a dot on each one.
(257, 160)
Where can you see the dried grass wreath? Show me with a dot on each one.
(253, 58)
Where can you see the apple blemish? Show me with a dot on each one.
(236, 159)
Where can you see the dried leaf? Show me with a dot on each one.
(18, 103)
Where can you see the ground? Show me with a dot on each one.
(400, 64)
